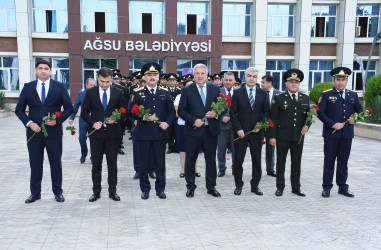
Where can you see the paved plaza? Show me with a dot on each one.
(203, 222)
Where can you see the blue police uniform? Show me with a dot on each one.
(83, 127)
(333, 108)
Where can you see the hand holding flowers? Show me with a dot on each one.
(223, 102)
(310, 115)
(260, 125)
(357, 117)
(116, 114)
(49, 120)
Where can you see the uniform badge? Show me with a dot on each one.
(132, 98)
(273, 102)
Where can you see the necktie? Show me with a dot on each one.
(104, 100)
(268, 96)
(341, 95)
(152, 91)
(294, 98)
(251, 99)
(202, 95)
(229, 94)
(43, 93)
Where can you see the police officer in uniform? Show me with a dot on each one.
(151, 136)
(288, 113)
(335, 108)
(171, 79)
(116, 79)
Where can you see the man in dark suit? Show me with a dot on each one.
(249, 106)
(226, 136)
(288, 113)
(116, 80)
(99, 103)
(335, 108)
(83, 127)
(267, 85)
(195, 103)
(152, 134)
(44, 96)
(171, 80)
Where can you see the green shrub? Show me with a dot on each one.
(317, 89)
(373, 89)
(376, 107)
(2, 100)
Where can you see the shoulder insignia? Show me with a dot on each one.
(138, 89)
(273, 101)
(163, 88)
(319, 100)
(327, 90)
(132, 98)
(279, 94)
(351, 90)
(178, 88)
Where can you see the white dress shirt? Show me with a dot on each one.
(149, 89)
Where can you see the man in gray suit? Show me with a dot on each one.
(267, 85)
(226, 130)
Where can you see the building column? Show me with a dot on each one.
(346, 35)
(303, 13)
(24, 42)
(216, 31)
(170, 64)
(259, 36)
(124, 65)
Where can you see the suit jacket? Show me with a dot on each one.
(245, 118)
(56, 97)
(288, 117)
(79, 102)
(228, 125)
(191, 108)
(332, 110)
(92, 111)
(275, 92)
(159, 104)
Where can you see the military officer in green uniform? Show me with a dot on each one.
(288, 113)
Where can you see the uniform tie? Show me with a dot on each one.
(43, 93)
(152, 91)
(104, 100)
(341, 95)
(251, 99)
(293, 98)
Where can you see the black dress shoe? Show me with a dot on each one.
(190, 193)
(83, 158)
(214, 192)
(120, 151)
(298, 192)
(95, 197)
(114, 196)
(161, 195)
(325, 193)
(152, 175)
(221, 173)
(271, 173)
(256, 190)
(59, 198)
(136, 176)
(145, 195)
(279, 192)
(33, 198)
(346, 193)
(238, 191)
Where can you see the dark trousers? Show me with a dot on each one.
(193, 144)
(296, 150)
(240, 147)
(225, 137)
(36, 159)
(98, 147)
(336, 149)
(135, 155)
(270, 153)
(172, 135)
(83, 138)
(149, 150)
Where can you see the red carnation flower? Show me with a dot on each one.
(370, 110)
(263, 142)
(135, 109)
(73, 132)
(58, 114)
(227, 98)
(222, 95)
(316, 107)
(271, 123)
(229, 103)
(123, 110)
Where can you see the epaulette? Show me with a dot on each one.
(163, 88)
(138, 89)
(351, 90)
(279, 93)
(178, 88)
(327, 90)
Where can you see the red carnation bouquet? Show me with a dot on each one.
(310, 114)
(140, 111)
(223, 102)
(260, 125)
(45, 119)
(72, 129)
(359, 116)
(116, 114)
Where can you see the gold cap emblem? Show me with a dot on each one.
(294, 75)
(341, 72)
(152, 68)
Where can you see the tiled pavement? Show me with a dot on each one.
(204, 222)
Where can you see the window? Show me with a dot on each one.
(60, 69)
(238, 67)
(7, 15)
(357, 75)
(236, 20)
(136, 64)
(280, 21)
(192, 18)
(146, 17)
(367, 20)
(9, 73)
(188, 64)
(277, 68)
(91, 67)
(323, 21)
(50, 16)
(99, 16)
(320, 71)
